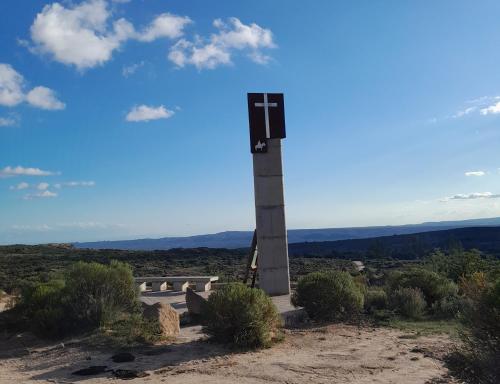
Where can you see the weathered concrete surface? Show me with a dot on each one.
(195, 303)
(180, 283)
(202, 286)
(142, 287)
(180, 286)
(159, 286)
(272, 244)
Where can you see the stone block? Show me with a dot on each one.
(159, 286)
(270, 190)
(272, 246)
(195, 303)
(180, 286)
(142, 287)
(203, 286)
(271, 222)
(167, 317)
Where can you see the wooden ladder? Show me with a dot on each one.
(252, 261)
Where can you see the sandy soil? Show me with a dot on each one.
(333, 354)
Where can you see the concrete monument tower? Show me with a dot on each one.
(267, 127)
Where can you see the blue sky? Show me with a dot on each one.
(122, 119)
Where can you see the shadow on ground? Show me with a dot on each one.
(58, 361)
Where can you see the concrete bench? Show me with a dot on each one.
(180, 283)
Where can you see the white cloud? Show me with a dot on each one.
(22, 185)
(146, 113)
(75, 184)
(238, 35)
(11, 86)
(88, 225)
(483, 105)
(38, 228)
(44, 98)
(12, 93)
(471, 196)
(464, 112)
(492, 109)
(259, 57)
(475, 173)
(85, 35)
(22, 171)
(42, 186)
(7, 121)
(164, 25)
(217, 50)
(40, 195)
(131, 69)
(78, 35)
(206, 56)
(62, 226)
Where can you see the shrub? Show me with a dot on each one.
(433, 286)
(457, 263)
(242, 316)
(408, 302)
(375, 299)
(361, 282)
(90, 295)
(448, 307)
(43, 307)
(329, 295)
(481, 319)
(97, 293)
(128, 330)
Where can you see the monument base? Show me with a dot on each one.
(272, 244)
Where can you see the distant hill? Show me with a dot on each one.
(409, 246)
(241, 239)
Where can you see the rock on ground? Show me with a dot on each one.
(165, 315)
(194, 302)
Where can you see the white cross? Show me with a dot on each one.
(266, 106)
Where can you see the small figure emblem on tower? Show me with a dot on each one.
(260, 146)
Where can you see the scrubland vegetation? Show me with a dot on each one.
(40, 262)
(458, 286)
(62, 295)
(328, 296)
(87, 297)
(242, 316)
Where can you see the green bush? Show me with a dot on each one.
(447, 308)
(408, 302)
(329, 295)
(361, 282)
(433, 286)
(128, 330)
(89, 295)
(242, 316)
(95, 293)
(375, 299)
(481, 319)
(457, 263)
(42, 308)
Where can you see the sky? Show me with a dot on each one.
(126, 119)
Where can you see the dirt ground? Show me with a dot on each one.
(333, 354)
